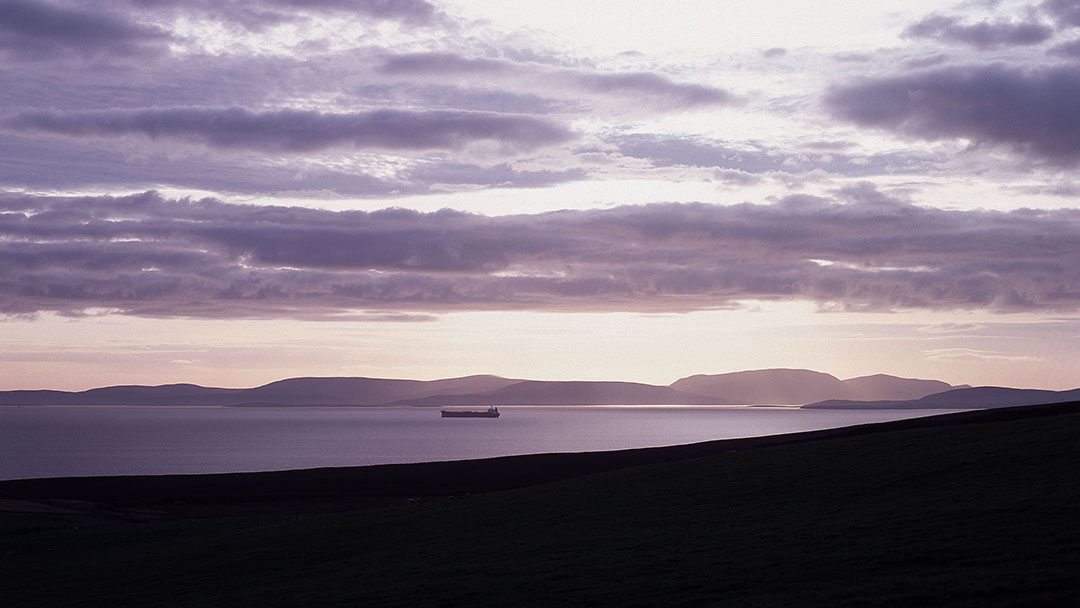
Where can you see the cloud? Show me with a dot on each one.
(956, 355)
(302, 130)
(655, 87)
(1030, 110)
(189, 79)
(736, 177)
(441, 63)
(754, 158)
(651, 88)
(949, 328)
(983, 35)
(419, 11)
(151, 256)
(1066, 13)
(667, 151)
(926, 61)
(501, 175)
(465, 98)
(852, 57)
(48, 164)
(830, 145)
(1067, 189)
(37, 30)
(1069, 49)
(259, 14)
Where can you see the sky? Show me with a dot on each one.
(232, 192)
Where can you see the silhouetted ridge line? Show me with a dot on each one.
(769, 386)
(961, 398)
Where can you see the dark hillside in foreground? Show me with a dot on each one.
(972, 509)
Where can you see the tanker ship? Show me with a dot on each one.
(491, 412)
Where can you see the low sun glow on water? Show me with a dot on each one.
(130, 440)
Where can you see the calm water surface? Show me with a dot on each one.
(68, 441)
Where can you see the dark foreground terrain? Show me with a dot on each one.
(978, 508)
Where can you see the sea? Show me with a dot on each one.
(65, 441)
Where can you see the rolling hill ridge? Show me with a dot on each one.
(767, 387)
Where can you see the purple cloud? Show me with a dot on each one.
(1066, 13)
(502, 175)
(49, 163)
(192, 80)
(926, 61)
(1069, 49)
(408, 10)
(644, 87)
(669, 151)
(736, 177)
(457, 97)
(441, 63)
(829, 145)
(256, 15)
(303, 131)
(145, 255)
(983, 35)
(852, 57)
(655, 87)
(1030, 110)
(38, 30)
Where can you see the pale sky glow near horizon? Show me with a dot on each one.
(230, 193)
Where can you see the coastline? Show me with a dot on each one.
(341, 488)
(976, 508)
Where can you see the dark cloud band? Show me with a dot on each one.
(984, 35)
(651, 88)
(1031, 110)
(146, 255)
(43, 31)
(303, 131)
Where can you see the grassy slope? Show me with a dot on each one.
(973, 514)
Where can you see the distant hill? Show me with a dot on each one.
(771, 386)
(168, 394)
(535, 392)
(961, 398)
(799, 386)
(766, 386)
(882, 386)
(471, 390)
(291, 392)
(368, 391)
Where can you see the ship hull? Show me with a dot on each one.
(466, 414)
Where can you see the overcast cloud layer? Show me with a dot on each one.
(151, 256)
(366, 99)
(844, 162)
